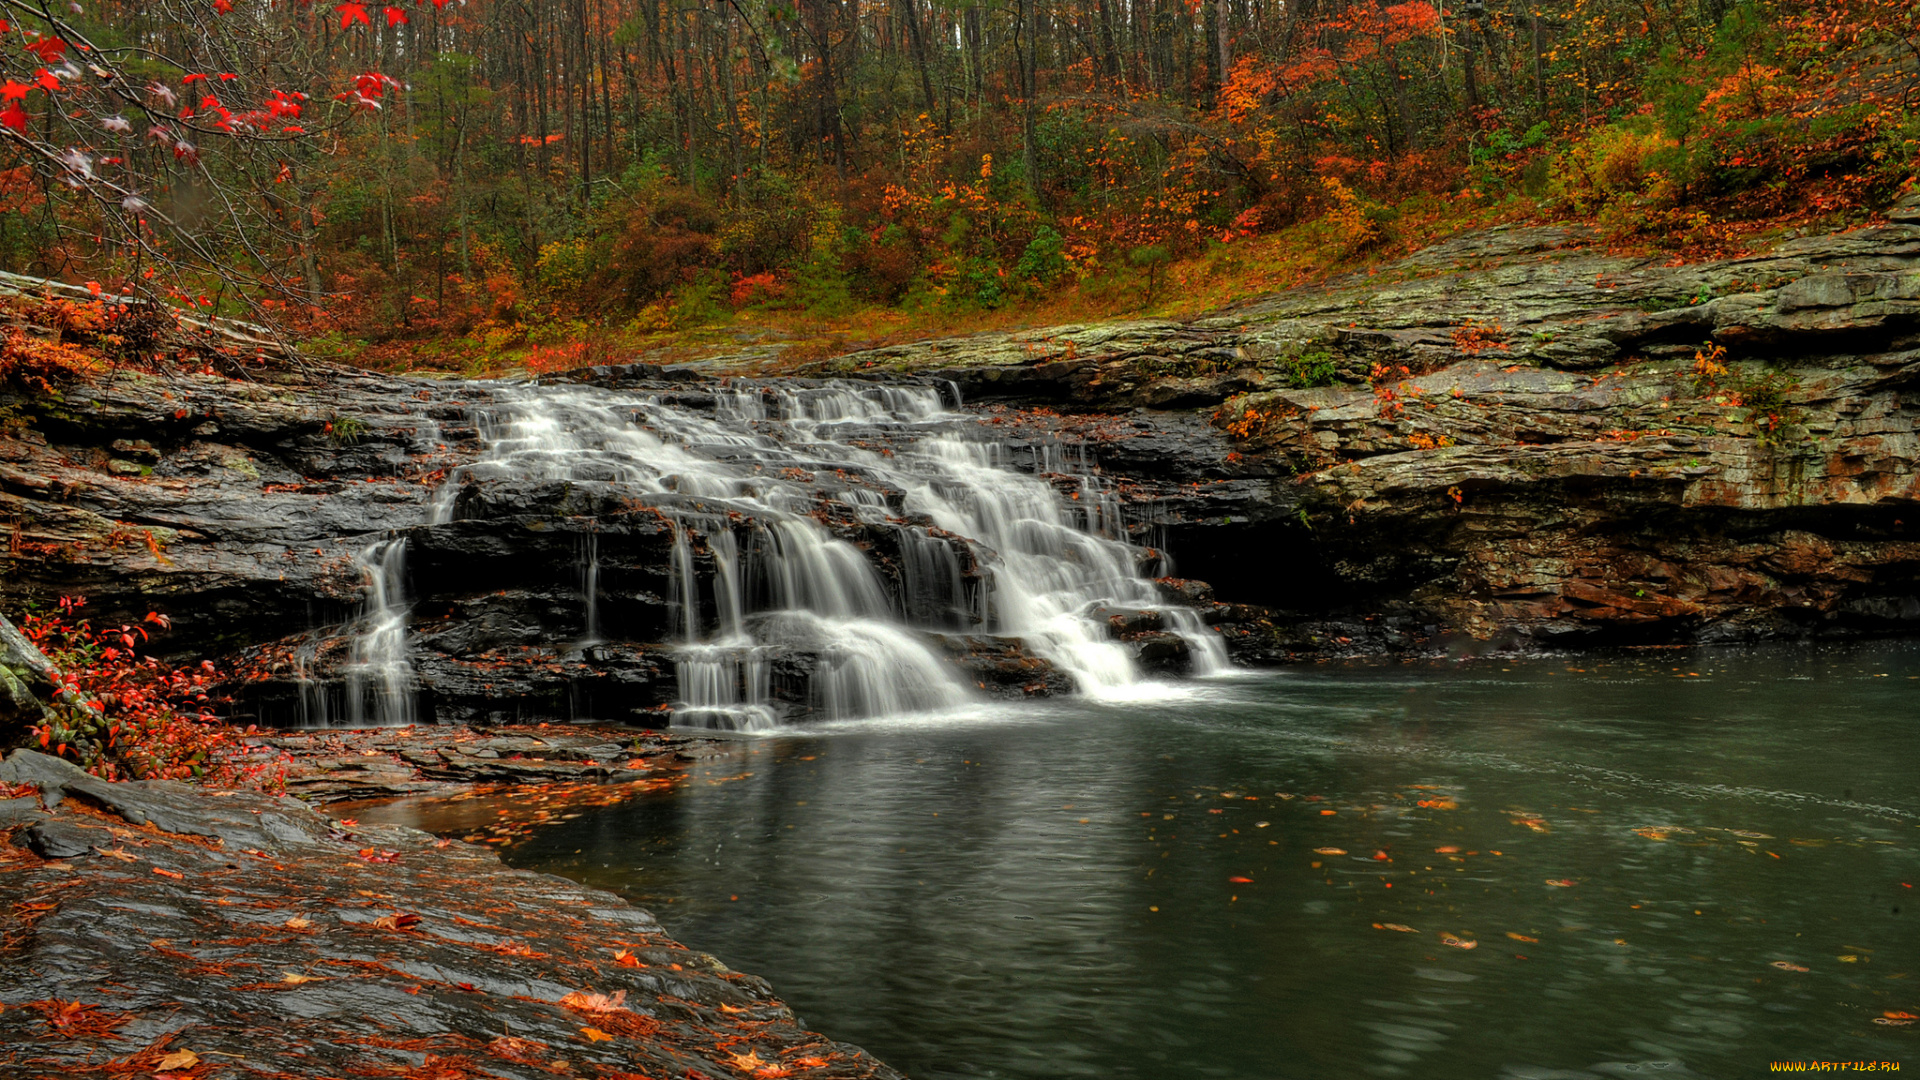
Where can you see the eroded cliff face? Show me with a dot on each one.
(1522, 437)
(1511, 437)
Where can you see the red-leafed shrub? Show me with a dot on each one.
(125, 715)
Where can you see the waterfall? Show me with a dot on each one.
(378, 671)
(590, 586)
(765, 489)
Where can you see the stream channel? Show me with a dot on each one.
(1654, 863)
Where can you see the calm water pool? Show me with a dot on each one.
(1664, 863)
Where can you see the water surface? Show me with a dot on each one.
(1659, 863)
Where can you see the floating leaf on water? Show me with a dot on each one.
(1788, 965)
(1400, 927)
(1750, 835)
(1562, 883)
(1522, 937)
(1458, 942)
(1653, 834)
(1329, 851)
(1448, 850)
(1241, 880)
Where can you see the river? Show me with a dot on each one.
(1673, 863)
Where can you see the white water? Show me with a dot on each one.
(380, 679)
(756, 578)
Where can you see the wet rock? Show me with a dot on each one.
(61, 839)
(351, 949)
(19, 812)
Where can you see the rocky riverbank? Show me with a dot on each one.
(1512, 439)
(159, 929)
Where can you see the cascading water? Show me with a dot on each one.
(761, 491)
(380, 679)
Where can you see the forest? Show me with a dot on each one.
(472, 184)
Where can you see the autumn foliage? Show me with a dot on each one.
(503, 177)
(123, 714)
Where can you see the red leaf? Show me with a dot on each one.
(14, 91)
(222, 6)
(48, 49)
(1241, 880)
(46, 80)
(353, 13)
(14, 117)
(394, 15)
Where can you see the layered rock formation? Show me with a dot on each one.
(1512, 436)
(1521, 435)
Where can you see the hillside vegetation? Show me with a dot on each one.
(480, 185)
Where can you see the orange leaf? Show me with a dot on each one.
(595, 1035)
(175, 874)
(179, 1059)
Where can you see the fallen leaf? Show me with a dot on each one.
(1329, 851)
(1381, 856)
(294, 978)
(1241, 880)
(595, 1035)
(1448, 850)
(1458, 942)
(626, 959)
(298, 922)
(1561, 883)
(748, 1061)
(1401, 927)
(174, 874)
(400, 921)
(117, 853)
(1788, 965)
(1652, 834)
(1522, 937)
(179, 1059)
(598, 1003)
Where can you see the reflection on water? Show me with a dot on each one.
(1672, 864)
